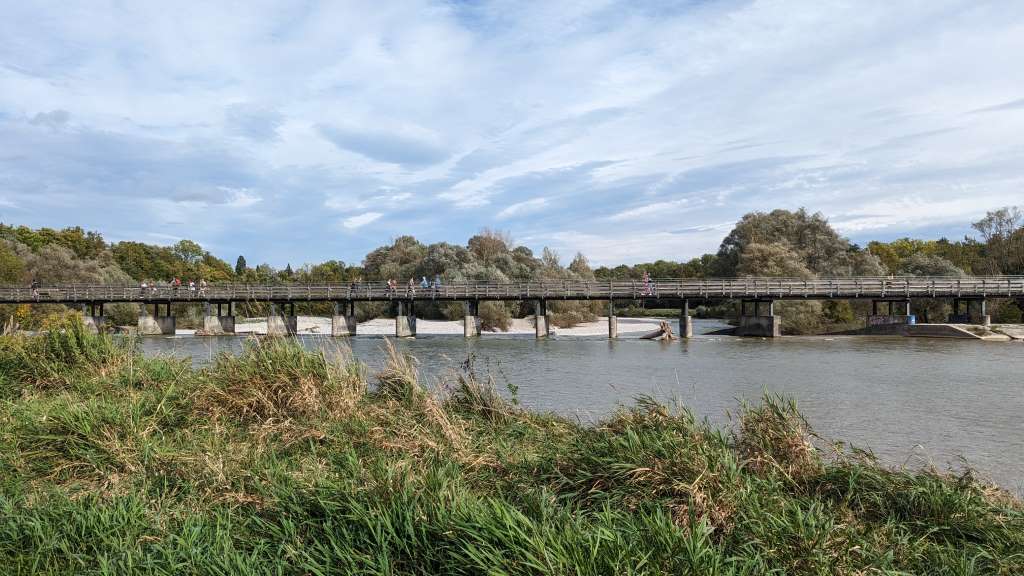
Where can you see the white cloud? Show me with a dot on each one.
(243, 198)
(910, 213)
(299, 115)
(360, 220)
(523, 208)
(656, 208)
(386, 199)
(610, 249)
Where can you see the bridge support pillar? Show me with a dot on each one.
(219, 323)
(405, 320)
(93, 318)
(283, 322)
(764, 325)
(343, 322)
(156, 324)
(471, 319)
(979, 315)
(613, 321)
(685, 321)
(898, 313)
(541, 321)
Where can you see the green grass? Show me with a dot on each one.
(287, 461)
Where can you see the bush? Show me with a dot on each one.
(278, 379)
(398, 379)
(495, 316)
(774, 438)
(800, 317)
(63, 353)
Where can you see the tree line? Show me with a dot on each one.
(777, 243)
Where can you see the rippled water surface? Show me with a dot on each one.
(908, 400)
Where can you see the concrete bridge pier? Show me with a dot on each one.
(979, 315)
(219, 323)
(685, 320)
(405, 319)
(92, 317)
(541, 320)
(765, 325)
(343, 321)
(156, 324)
(471, 319)
(283, 323)
(613, 321)
(898, 313)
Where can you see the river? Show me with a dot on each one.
(910, 401)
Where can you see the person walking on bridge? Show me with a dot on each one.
(412, 287)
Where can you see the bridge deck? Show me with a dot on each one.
(690, 288)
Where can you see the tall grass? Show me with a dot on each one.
(277, 378)
(282, 460)
(63, 352)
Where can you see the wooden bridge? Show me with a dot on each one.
(758, 292)
(689, 288)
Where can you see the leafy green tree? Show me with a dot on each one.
(771, 260)
(921, 264)
(580, 267)
(240, 267)
(999, 224)
(488, 245)
(819, 248)
(188, 252)
(12, 268)
(1003, 233)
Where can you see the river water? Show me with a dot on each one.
(910, 401)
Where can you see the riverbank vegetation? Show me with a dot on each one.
(282, 460)
(777, 243)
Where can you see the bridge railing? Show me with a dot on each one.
(765, 288)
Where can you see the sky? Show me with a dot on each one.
(296, 132)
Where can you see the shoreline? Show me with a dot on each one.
(628, 327)
(318, 325)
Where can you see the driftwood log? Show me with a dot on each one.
(664, 332)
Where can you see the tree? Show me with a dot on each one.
(580, 267)
(188, 252)
(928, 265)
(12, 268)
(240, 266)
(550, 259)
(815, 244)
(489, 244)
(1004, 238)
(771, 260)
(999, 224)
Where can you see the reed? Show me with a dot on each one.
(280, 461)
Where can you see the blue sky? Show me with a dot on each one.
(302, 131)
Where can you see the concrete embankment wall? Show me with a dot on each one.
(960, 331)
(939, 331)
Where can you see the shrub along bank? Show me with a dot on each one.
(282, 460)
